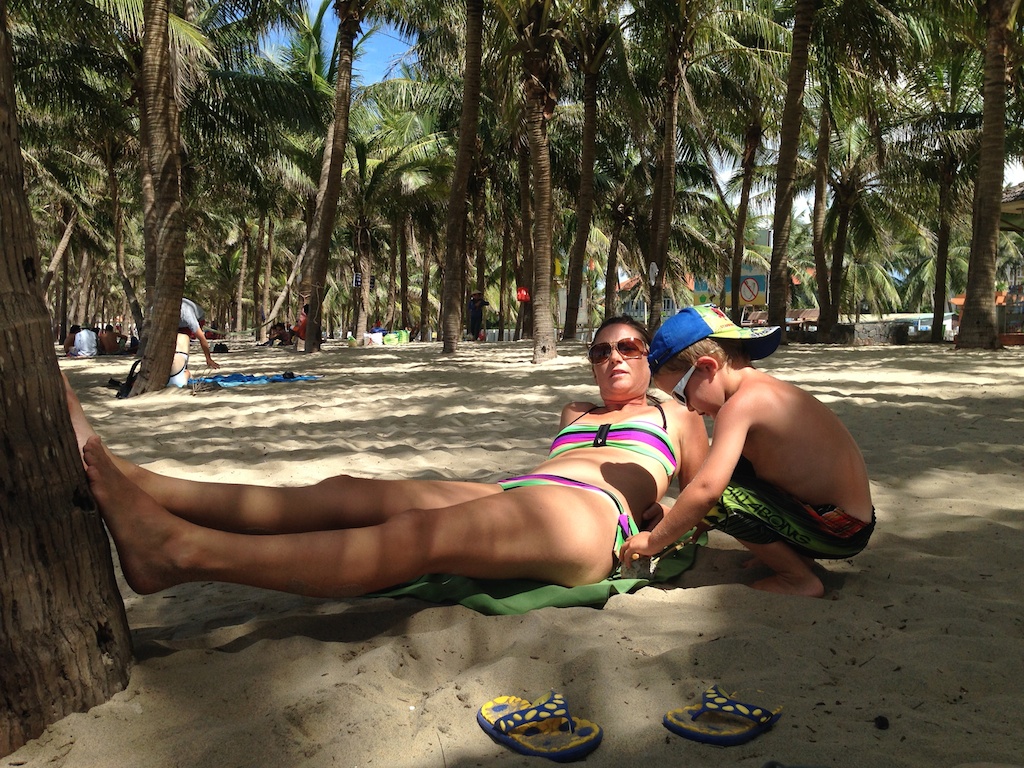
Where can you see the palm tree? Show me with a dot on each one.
(978, 328)
(594, 33)
(940, 144)
(786, 165)
(350, 15)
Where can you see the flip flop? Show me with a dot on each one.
(544, 728)
(720, 720)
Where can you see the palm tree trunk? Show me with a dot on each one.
(407, 242)
(524, 326)
(751, 144)
(114, 190)
(978, 323)
(789, 146)
(268, 276)
(835, 277)
(661, 215)
(455, 227)
(611, 277)
(256, 268)
(242, 269)
(828, 314)
(428, 256)
(540, 166)
(506, 251)
(941, 256)
(584, 205)
(329, 189)
(64, 637)
(163, 225)
(58, 253)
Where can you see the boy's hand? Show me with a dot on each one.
(636, 547)
(653, 515)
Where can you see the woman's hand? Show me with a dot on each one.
(636, 547)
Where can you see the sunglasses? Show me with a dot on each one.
(679, 390)
(628, 349)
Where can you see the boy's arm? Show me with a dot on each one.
(701, 493)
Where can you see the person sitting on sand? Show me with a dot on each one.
(783, 475)
(110, 342)
(80, 342)
(348, 536)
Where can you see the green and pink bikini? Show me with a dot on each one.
(636, 436)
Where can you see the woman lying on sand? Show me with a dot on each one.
(349, 536)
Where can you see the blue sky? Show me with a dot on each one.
(378, 53)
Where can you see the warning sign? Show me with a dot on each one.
(753, 290)
(749, 290)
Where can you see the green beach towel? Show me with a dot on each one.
(515, 596)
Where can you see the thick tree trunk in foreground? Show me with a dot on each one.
(64, 643)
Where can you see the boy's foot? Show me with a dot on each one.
(143, 531)
(792, 584)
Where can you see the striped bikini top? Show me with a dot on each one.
(641, 437)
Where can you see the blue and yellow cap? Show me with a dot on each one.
(692, 324)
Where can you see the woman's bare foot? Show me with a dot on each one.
(148, 537)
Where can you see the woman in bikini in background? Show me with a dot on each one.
(348, 536)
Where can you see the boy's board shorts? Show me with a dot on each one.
(758, 512)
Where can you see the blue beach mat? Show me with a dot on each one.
(515, 596)
(243, 379)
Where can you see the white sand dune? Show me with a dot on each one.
(925, 628)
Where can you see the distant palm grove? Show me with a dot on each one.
(521, 149)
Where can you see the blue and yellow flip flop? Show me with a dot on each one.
(543, 728)
(720, 720)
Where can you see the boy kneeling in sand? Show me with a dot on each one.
(783, 475)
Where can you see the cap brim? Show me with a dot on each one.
(758, 342)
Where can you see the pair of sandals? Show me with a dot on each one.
(546, 728)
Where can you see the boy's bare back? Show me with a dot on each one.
(794, 442)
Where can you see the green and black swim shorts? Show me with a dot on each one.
(758, 512)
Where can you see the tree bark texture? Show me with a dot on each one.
(540, 166)
(64, 642)
(163, 228)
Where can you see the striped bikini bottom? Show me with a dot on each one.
(626, 526)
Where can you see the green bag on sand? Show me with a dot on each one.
(515, 596)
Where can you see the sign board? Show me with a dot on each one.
(753, 290)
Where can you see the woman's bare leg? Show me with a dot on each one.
(556, 534)
(338, 502)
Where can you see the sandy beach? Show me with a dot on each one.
(922, 632)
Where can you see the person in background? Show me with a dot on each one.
(476, 315)
(80, 342)
(190, 327)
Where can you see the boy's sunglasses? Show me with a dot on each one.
(628, 349)
(679, 390)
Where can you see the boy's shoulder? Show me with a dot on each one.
(762, 396)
